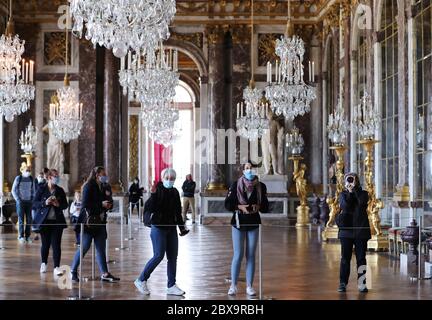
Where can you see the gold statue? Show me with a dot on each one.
(334, 210)
(301, 183)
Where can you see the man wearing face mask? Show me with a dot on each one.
(188, 197)
(162, 212)
(135, 194)
(23, 190)
(354, 229)
(246, 198)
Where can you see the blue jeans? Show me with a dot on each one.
(164, 240)
(239, 238)
(24, 209)
(100, 244)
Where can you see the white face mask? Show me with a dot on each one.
(26, 174)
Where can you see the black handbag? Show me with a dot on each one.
(92, 222)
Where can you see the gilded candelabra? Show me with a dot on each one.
(331, 230)
(378, 240)
(28, 141)
(301, 186)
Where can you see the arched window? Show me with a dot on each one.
(389, 98)
(423, 99)
(183, 146)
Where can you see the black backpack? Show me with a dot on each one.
(148, 214)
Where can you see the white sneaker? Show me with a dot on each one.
(142, 286)
(175, 291)
(232, 291)
(250, 291)
(43, 268)
(57, 271)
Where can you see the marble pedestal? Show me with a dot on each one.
(275, 183)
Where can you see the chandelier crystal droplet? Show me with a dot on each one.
(122, 25)
(16, 75)
(338, 126)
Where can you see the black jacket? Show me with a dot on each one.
(42, 210)
(165, 206)
(353, 221)
(231, 203)
(135, 193)
(92, 198)
(189, 189)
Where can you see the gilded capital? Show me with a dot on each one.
(215, 34)
(241, 34)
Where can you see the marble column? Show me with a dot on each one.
(316, 114)
(216, 39)
(111, 156)
(241, 75)
(87, 95)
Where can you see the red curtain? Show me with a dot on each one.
(162, 159)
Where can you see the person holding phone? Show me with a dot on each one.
(354, 230)
(165, 207)
(94, 204)
(246, 198)
(49, 203)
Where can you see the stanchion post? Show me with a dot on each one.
(93, 260)
(260, 260)
(122, 247)
(130, 223)
(81, 261)
(420, 247)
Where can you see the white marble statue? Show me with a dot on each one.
(55, 151)
(272, 144)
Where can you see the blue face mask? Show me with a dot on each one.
(168, 184)
(55, 180)
(249, 174)
(103, 179)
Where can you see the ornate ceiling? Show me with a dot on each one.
(193, 12)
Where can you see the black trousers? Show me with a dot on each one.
(51, 235)
(360, 248)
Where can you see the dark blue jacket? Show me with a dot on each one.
(189, 189)
(92, 198)
(42, 209)
(353, 220)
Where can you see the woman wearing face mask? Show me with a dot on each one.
(49, 203)
(354, 229)
(93, 203)
(247, 197)
(165, 208)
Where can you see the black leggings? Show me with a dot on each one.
(51, 236)
(360, 248)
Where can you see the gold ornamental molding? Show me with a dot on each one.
(241, 34)
(216, 34)
(266, 48)
(196, 38)
(133, 146)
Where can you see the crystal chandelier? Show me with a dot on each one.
(289, 94)
(122, 25)
(28, 139)
(16, 75)
(252, 114)
(161, 123)
(295, 142)
(66, 113)
(365, 118)
(150, 76)
(337, 126)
